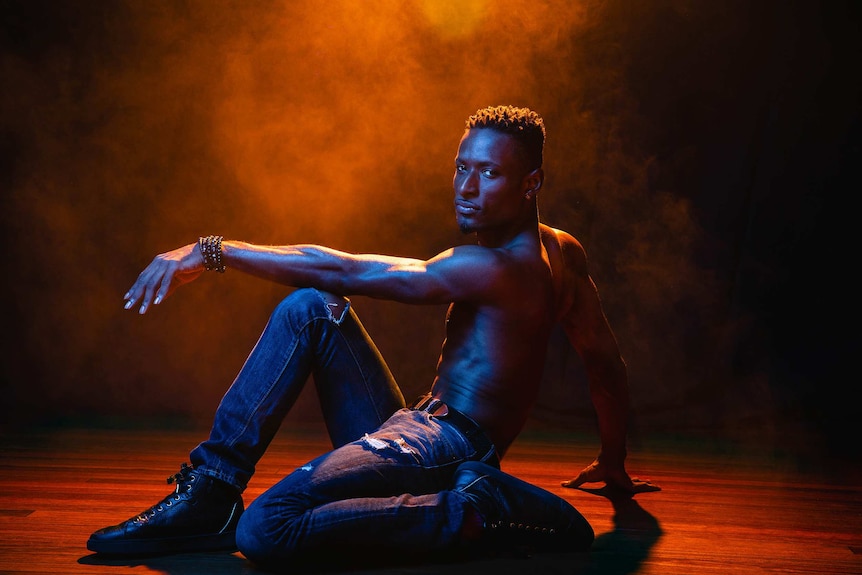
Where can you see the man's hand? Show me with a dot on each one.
(163, 275)
(616, 478)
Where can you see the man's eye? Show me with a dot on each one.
(489, 172)
(460, 168)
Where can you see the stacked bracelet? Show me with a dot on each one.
(211, 251)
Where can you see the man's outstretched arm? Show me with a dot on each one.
(448, 276)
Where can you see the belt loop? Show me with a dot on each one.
(421, 402)
(431, 405)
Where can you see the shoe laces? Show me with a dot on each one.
(184, 480)
(184, 475)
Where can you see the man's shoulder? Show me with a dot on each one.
(568, 261)
(563, 240)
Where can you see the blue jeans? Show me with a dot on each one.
(306, 335)
(386, 483)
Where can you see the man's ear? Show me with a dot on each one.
(533, 183)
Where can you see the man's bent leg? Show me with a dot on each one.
(308, 332)
(356, 498)
(408, 490)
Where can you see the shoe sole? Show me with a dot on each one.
(197, 543)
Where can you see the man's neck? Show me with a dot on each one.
(502, 238)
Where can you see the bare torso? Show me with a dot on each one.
(491, 363)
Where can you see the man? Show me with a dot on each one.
(423, 479)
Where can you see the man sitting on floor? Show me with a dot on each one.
(422, 479)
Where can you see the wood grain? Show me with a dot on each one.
(722, 509)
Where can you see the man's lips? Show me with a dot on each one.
(466, 208)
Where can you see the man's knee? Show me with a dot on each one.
(336, 304)
(253, 542)
(316, 301)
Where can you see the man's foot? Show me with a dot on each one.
(521, 516)
(200, 515)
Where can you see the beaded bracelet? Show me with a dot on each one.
(211, 251)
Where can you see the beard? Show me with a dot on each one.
(466, 225)
(466, 228)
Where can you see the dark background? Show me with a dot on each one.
(706, 153)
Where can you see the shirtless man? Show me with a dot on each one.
(422, 479)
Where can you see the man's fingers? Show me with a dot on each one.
(644, 486)
(583, 477)
(634, 486)
(165, 286)
(133, 294)
(131, 297)
(593, 475)
(145, 300)
(150, 287)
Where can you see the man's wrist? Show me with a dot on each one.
(211, 250)
(612, 457)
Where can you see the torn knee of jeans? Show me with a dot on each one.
(379, 444)
(336, 306)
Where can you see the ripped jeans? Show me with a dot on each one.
(387, 482)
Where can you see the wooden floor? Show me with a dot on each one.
(723, 510)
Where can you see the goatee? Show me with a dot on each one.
(466, 228)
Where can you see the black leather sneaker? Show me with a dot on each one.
(520, 517)
(200, 515)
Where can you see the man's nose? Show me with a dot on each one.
(467, 185)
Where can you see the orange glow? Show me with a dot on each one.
(454, 19)
(144, 125)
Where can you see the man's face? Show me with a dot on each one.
(489, 180)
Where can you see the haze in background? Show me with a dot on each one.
(133, 127)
